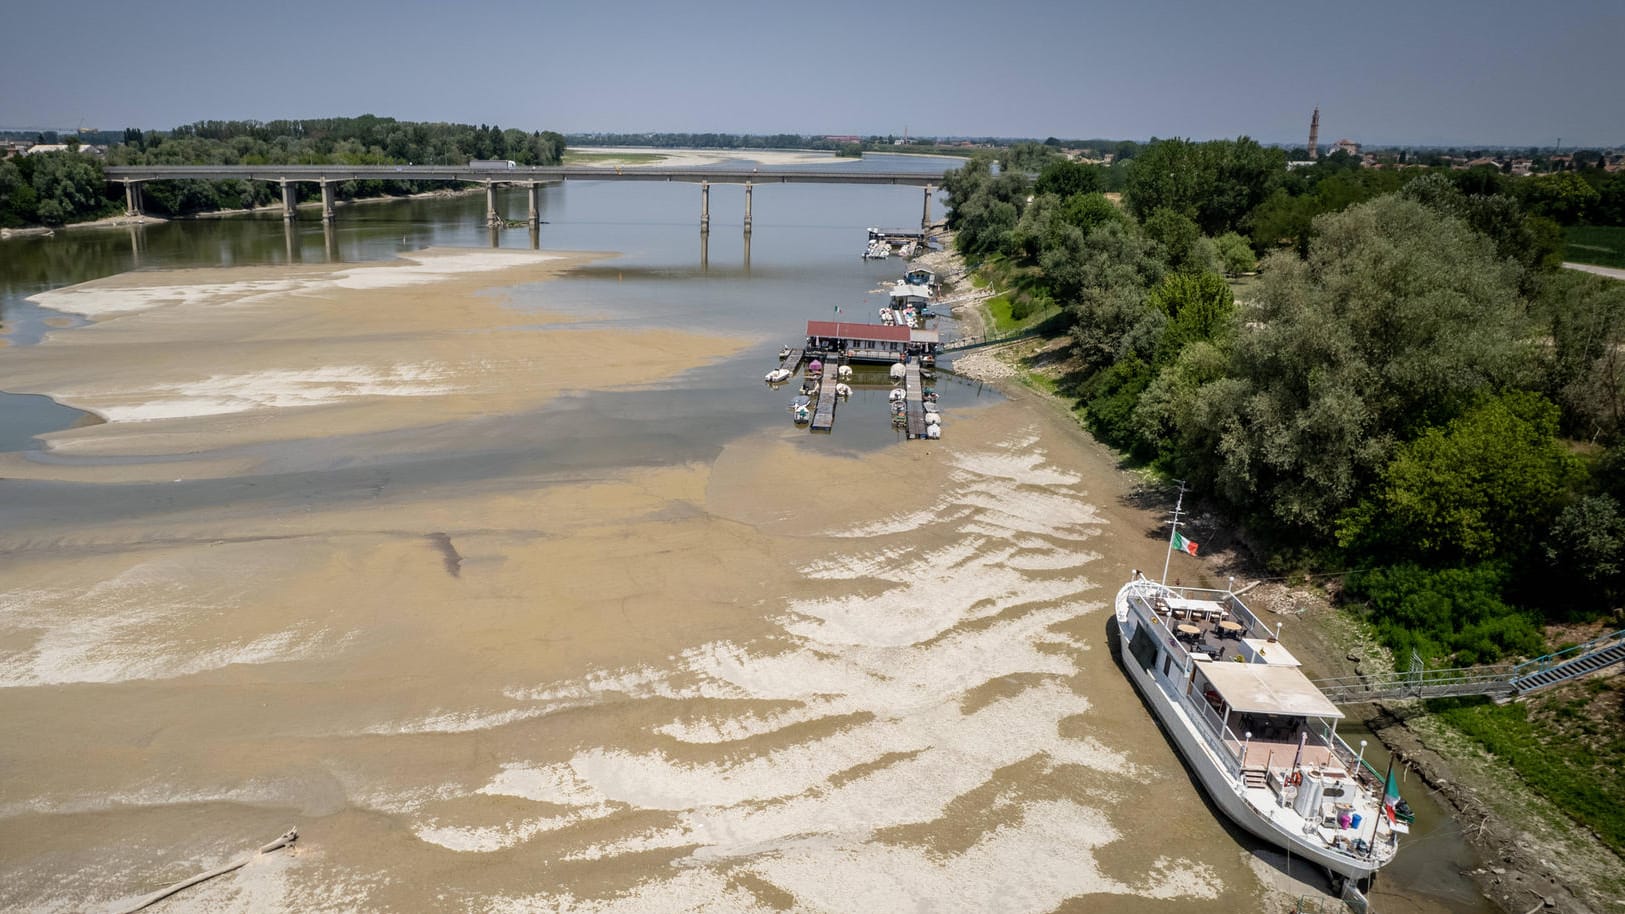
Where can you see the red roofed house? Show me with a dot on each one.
(869, 342)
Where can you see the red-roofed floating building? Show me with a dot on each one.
(869, 342)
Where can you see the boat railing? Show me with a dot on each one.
(1226, 598)
(1353, 762)
(1218, 735)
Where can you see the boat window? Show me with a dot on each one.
(1144, 647)
(1167, 664)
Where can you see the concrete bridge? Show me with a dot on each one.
(530, 176)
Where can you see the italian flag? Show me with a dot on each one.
(1183, 544)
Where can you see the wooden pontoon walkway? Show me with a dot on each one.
(914, 408)
(824, 416)
(793, 360)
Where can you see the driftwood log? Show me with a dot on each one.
(287, 839)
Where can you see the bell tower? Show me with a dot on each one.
(1314, 134)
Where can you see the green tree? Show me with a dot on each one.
(1065, 179)
(1397, 320)
(67, 186)
(1475, 489)
(1587, 542)
(1235, 254)
(1199, 307)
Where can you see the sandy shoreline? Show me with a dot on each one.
(266, 354)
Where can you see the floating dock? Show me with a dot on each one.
(824, 416)
(793, 360)
(914, 406)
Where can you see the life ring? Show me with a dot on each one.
(1294, 779)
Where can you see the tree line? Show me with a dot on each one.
(55, 188)
(1408, 387)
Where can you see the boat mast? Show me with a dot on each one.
(1178, 504)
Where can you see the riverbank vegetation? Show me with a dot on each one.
(1409, 389)
(59, 187)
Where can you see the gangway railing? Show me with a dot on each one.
(976, 342)
(1502, 682)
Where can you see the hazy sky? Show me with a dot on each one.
(1413, 71)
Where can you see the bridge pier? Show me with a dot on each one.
(288, 193)
(491, 217)
(705, 250)
(705, 207)
(747, 208)
(925, 219)
(327, 201)
(132, 198)
(535, 205)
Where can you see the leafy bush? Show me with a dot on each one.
(1452, 614)
(1110, 398)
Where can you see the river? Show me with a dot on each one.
(519, 591)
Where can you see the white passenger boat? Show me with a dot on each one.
(777, 376)
(1260, 737)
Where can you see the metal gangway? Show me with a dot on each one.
(977, 342)
(1501, 682)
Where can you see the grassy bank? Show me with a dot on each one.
(1598, 245)
(1566, 745)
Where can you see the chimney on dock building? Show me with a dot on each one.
(1314, 135)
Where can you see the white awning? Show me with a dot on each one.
(1261, 688)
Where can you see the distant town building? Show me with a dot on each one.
(1346, 145)
(64, 147)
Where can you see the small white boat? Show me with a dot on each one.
(897, 395)
(933, 432)
(844, 372)
(843, 390)
(930, 406)
(784, 353)
(933, 418)
(777, 376)
(898, 370)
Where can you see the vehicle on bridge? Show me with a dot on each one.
(493, 164)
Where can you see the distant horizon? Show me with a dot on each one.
(1302, 142)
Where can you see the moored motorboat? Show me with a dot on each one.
(843, 372)
(843, 390)
(1259, 736)
(897, 395)
(801, 410)
(898, 371)
(778, 376)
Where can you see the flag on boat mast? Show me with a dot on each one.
(1390, 794)
(1182, 544)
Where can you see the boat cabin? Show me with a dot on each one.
(904, 295)
(920, 276)
(1272, 707)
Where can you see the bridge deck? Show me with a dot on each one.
(526, 174)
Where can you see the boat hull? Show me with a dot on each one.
(1225, 793)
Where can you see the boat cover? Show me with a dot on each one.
(1261, 688)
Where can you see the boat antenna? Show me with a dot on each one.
(1178, 504)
